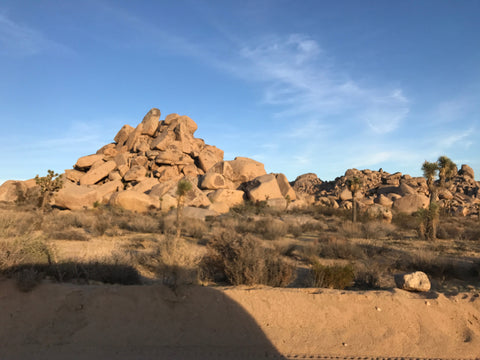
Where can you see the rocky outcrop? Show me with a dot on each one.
(398, 192)
(148, 161)
(141, 169)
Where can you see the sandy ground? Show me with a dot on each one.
(151, 322)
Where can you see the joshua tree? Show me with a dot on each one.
(430, 172)
(49, 185)
(183, 187)
(354, 184)
(446, 169)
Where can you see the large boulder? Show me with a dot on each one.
(209, 156)
(285, 187)
(123, 134)
(410, 203)
(227, 196)
(384, 201)
(263, 188)
(136, 173)
(73, 175)
(96, 174)
(466, 171)
(150, 122)
(213, 181)
(416, 281)
(163, 140)
(307, 184)
(75, 197)
(105, 191)
(9, 190)
(245, 169)
(145, 185)
(134, 201)
(86, 162)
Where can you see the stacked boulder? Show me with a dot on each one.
(383, 193)
(140, 171)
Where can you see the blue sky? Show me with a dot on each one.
(302, 86)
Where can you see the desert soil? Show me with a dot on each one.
(66, 321)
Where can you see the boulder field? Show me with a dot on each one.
(141, 168)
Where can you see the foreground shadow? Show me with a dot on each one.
(59, 321)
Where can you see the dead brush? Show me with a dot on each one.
(241, 260)
(378, 230)
(14, 224)
(195, 228)
(331, 247)
(139, 223)
(270, 228)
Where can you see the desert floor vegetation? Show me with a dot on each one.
(250, 245)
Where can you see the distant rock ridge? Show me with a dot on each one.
(392, 192)
(140, 171)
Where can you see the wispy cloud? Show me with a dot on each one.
(18, 39)
(302, 79)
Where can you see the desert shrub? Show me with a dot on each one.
(351, 229)
(106, 271)
(314, 226)
(140, 223)
(333, 277)
(171, 260)
(63, 220)
(14, 224)
(295, 230)
(245, 226)
(330, 211)
(24, 250)
(472, 232)
(242, 260)
(378, 230)
(195, 228)
(103, 222)
(431, 264)
(367, 277)
(449, 231)
(250, 208)
(69, 234)
(271, 229)
(405, 221)
(335, 248)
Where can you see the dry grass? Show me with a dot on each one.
(250, 245)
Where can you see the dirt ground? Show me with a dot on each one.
(59, 321)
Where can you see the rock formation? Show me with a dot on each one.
(396, 192)
(140, 171)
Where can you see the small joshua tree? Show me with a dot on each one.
(183, 187)
(49, 185)
(354, 185)
(446, 169)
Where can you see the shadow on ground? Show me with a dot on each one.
(58, 321)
